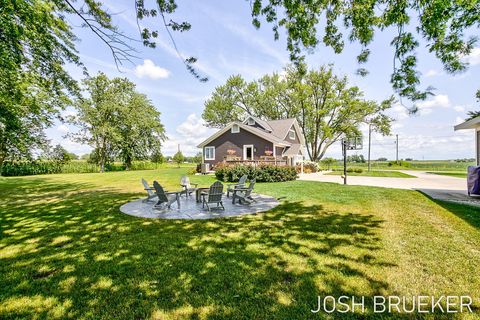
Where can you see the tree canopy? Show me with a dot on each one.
(117, 121)
(325, 106)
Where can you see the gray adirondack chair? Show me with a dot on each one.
(188, 188)
(241, 184)
(244, 194)
(150, 191)
(214, 195)
(165, 199)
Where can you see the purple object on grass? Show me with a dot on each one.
(473, 180)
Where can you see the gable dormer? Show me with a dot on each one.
(257, 123)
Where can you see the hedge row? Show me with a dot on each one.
(262, 173)
(27, 168)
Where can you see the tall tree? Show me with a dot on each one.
(141, 132)
(178, 158)
(325, 106)
(116, 120)
(35, 44)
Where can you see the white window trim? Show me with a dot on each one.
(205, 153)
(290, 134)
(237, 128)
(245, 146)
(251, 121)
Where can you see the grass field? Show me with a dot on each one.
(387, 174)
(427, 165)
(452, 174)
(66, 252)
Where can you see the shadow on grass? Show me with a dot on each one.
(67, 252)
(470, 213)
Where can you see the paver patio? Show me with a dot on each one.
(190, 209)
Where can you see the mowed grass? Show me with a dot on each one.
(67, 252)
(451, 174)
(385, 174)
(423, 165)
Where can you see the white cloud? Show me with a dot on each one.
(63, 129)
(459, 120)
(459, 108)
(193, 126)
(188, 135)
(474, 57)
(438, 101)
(399, 112)
(150, 70)
(433, 73)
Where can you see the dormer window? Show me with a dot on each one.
(291, 134)
(251, 122)
(235, 128)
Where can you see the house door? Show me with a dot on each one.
(248, 152)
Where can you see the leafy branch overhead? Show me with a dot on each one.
(441, 24)
(162, 9)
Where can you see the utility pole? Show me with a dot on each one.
(369, 144)
(396, 143)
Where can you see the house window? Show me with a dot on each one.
(209, 153)
(235, 128)
(251, 122)
(291, 134)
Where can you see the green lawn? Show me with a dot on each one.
(387, 174)
(452, 174)
(423, 165)
(67, 252)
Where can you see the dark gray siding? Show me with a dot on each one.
(236, 141)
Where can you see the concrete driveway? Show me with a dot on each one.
(436, 186)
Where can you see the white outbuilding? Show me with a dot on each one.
(473, 124)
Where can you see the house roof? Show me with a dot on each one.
(294, 150)
(281, 127)
(258, 132)
(264, 124)
(470, 124)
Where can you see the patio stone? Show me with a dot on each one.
(190, 209)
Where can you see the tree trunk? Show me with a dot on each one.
(128, 163)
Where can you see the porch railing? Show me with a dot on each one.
(262, 160)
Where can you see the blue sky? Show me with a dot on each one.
(225, 43)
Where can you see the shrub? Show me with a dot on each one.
(308, 167)
(262, 173)
(328, 162)
(399, 163)
(26, 168)
(192, 171)
(143, 165)
(34, 167)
